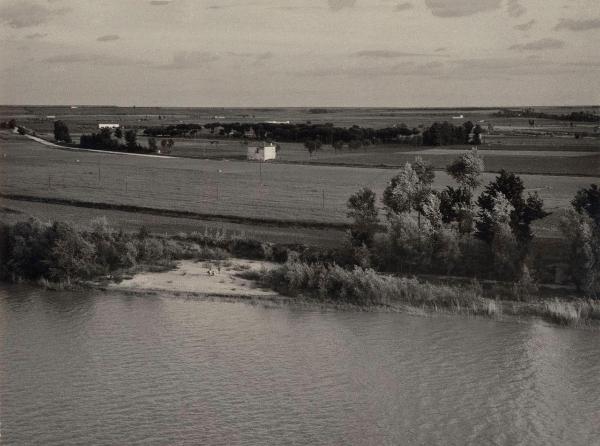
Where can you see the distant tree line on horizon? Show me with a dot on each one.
(577, 116)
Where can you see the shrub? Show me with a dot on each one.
(150, 249)
(248, 248)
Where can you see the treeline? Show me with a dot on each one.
(105, 141)
(576, 116)
(435, 135)
(58, 252)
(452, 232)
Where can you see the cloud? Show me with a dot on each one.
(385, 54)
(108, 38)
(525, 26)
(515, 9)
(369, 71)
(160, 2)
(336, 5)
(461, 8)
(190, 59)
(27, 13)
(36, 36)
(578, 25)
(403, 6)
(542, 44)
(93, 59)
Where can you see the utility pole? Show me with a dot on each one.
(323, 192)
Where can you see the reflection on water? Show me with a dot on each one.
(93, 368)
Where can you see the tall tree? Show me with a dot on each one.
(526, 210)
(588, 200)
(457, 203)
(131, 139)
(402, 192)
(61, 132)
(364, 215)
(466, 170)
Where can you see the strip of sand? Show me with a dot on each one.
(210, 277)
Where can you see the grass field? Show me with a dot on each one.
(288, 192)
(513, 145)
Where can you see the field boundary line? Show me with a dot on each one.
(273, 222)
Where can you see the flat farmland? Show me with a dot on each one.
(86, 118)
(12, 211)
(286, 192)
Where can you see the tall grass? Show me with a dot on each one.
(571, 313)
(366, 287)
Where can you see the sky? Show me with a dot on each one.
(267, 53)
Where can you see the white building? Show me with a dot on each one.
(108, 126)
(262, 152)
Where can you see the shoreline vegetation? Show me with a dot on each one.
(59, 257)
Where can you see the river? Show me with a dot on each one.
(106, 369)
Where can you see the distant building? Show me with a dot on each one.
(250, 133)
(262, 152)
(108, 126)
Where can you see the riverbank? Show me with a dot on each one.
(252, 281)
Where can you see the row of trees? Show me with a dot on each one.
(576, 116)
(104, 140)
(438, 134)
(449, 231)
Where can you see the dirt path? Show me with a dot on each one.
(77, 149)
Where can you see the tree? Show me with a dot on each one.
(467, 169)
(456, 204)
(524, 212)
(583, 236)
(588, 201)
(118, 133)
(12, 123)
(337, 145)
(131, 139)
(312, 145)
(362, 210)
(402, 191)
(152, 146)
(411, 189)
(61, 132)
(424, 171)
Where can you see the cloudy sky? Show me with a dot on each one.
(300, 52)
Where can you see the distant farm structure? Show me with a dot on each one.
(262, 152)
(108, 126)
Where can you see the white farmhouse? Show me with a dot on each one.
(108, 126)
(262, 152)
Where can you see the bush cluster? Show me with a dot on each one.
(364, 286)
(57, 252)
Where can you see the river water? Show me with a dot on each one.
(100, 368)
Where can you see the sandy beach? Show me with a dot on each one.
(211, 277)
